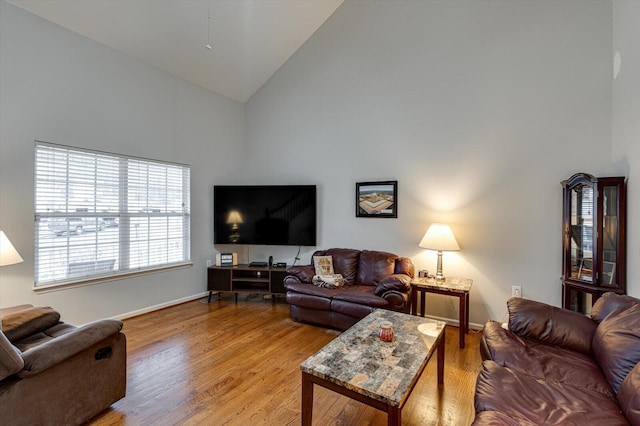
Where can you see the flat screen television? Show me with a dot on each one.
(264, 214)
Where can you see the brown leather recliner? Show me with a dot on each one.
(52, 373)
(375, 279)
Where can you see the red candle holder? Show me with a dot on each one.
(385, 332)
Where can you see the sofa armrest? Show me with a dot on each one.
(11, 360)
(397, 282)
(397, 300)
(304, 273)
(54, 351)
(551, 325)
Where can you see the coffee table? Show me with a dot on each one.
(361, 366)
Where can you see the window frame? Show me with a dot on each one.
(129, 169)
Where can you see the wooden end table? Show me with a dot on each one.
(458, 287)
(380, 374)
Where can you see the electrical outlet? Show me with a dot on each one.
(516, 291)
(208, 263)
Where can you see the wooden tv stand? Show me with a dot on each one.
(245, 279)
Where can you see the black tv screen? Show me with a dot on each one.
(265, 214)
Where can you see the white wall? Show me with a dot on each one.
(626, 124)
(61, 87)
(479, 109)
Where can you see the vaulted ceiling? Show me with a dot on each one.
(250, 39)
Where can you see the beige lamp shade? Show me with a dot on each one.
(234, 217)
(439, 237)
(8, 254)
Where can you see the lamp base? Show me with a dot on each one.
(439, 275)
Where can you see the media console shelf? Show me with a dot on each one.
(245, 279)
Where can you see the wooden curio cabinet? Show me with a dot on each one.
(594, 239)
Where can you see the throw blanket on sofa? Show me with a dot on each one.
(328, 280)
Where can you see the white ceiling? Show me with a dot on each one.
(251, 39)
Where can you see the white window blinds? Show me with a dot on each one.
(99, 214)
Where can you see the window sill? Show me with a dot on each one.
(82, 282)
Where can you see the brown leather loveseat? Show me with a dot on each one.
(553, 366)
(374, 279)
(52, 373)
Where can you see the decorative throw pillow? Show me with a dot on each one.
(329, 280)
(323, 265)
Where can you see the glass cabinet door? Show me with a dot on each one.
(610, 234)
(582, 235)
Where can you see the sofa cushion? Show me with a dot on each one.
(616, 344)
(404, 265)
(497, 418)
(538, 359)
(530, 400)
(345, 263)
(312, 290)
(361, 294)
(609, 302)
(37, 339)
(629, 396)
(355, 310)
(11, 360)
(308, 301)
(28, 321)
(552, 325)
(12, 309)
(374, 266)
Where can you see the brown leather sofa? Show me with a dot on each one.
(52, 373)
(554, 366)
(375, 279)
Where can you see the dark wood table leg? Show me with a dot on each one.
(463, 318)
(440, 350)
(422, 302)
(307, 400)
(394, 416)
(466, 310)
(414, 301)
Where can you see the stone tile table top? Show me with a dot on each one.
(450, 284)
(358, 360)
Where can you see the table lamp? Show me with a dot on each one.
(440, 238)
(234, 219)
(8, 254)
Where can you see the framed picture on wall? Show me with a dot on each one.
(377, 199)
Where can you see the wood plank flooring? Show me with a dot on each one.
(238, 364)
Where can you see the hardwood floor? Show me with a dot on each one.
(238, 364)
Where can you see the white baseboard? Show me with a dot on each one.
(455, 322)
(160, 306)
(449, 321)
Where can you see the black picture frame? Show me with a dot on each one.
(377, 199)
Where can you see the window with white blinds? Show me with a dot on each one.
(100, 215)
